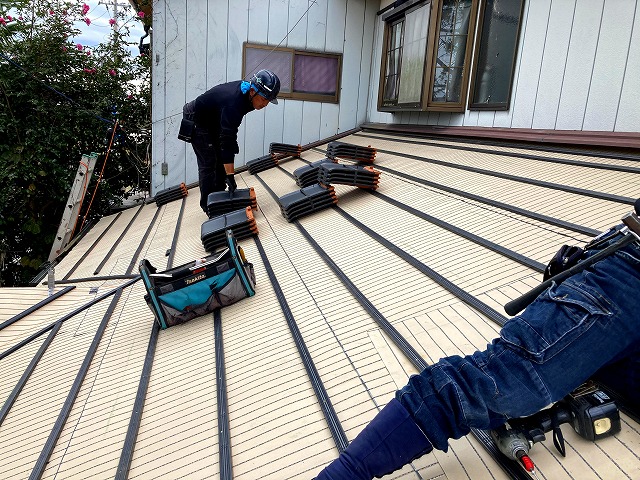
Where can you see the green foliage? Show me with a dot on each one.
(59, 100)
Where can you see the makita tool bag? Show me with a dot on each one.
(197, 288)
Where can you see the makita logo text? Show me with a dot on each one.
(189, 281)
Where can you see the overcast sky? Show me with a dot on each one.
(98, 31)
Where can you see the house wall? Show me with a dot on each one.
(577, 68)
(198, 47)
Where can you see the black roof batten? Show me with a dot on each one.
(117, 242)
(511, 467)
(67, 317)
(13, 396)
(93, 245)
(96, 278)
(533, 264)
(451, 287)
(337, 432)
(528, 156)
(176, 234)
(126, 456)
(128, 449)
(505, 206)
(50, 444)
(506, 176)
(224, 433)
(136, 254)
(35, 307)
(540, 267)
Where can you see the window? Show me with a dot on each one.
(303, 75)
(427, 51)
(496, 48)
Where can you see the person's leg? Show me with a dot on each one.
(622, 377)
(566, 335)
(207, 168)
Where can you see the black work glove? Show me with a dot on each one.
(231, 183)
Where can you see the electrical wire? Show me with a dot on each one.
(95, 190)
(311, 4)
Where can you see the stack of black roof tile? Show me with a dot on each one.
(308, 174)
(170, 194)
(219, 203)
(261, 163)
(286, 148)
(306, 200)
(213, 231)
(356, 175)
(352, 152)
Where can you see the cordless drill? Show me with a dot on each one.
(589, 410)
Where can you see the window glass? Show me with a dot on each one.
(452, 49)
(279, 62)
(304, 75)
(497, 45)
(315, 74)
(394, 52)
(413, 55)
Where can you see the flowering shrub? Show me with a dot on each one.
(57, 103)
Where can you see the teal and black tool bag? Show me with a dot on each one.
(179, 294)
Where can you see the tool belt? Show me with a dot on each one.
(187, 124)
(182, 293)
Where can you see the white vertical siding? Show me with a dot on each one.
(202, 47)
(628, 117)
(609, 68)
(577, 68)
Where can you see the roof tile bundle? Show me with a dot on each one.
(306, 200)
(261, 163)
(213, 231)
(352, 152)
(170, 194)
(293, 150)
(219, 203)
(356, 175)
(308, 174)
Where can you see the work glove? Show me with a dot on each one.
(231, 183)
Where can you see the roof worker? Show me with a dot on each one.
(585, 327)
(211, 122)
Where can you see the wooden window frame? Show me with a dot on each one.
(435, 17)
(310, 97)
(497, 106)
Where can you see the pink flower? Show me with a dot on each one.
(64, 49)
(89, 70)
(20, 18)
(87, 21)
(79, 46)
(85, 9)
(9, 18)
(112, 72)
(3, 21)
(129, 97)
(51, 12)
(112, 21)
(88, 52)
(141, 14)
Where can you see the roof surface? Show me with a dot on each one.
(350, 301)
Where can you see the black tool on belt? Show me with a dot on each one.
(566, 264)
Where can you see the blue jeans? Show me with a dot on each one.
(587, 326)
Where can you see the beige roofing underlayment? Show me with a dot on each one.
(442, 206)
